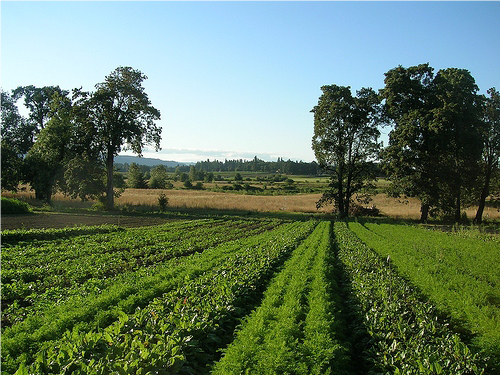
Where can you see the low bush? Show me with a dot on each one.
(358, 210)
(14, 206)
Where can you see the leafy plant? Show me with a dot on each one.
(404, 333)
(163, 202)
(14, 206)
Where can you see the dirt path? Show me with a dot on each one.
(61, 220)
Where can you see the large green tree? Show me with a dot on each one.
(435, 143)
(16, 140)
(158, 177)
(491, 148)
(458, 119)
(44, 163)
(412, 156)
(124, 118)
(38, 101)
(135, 177)
(84, 169)
(345, 142)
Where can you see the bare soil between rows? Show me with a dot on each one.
(63, 220)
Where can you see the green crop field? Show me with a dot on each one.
(249, 295)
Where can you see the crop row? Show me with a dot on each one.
(10, 237)
(37, 274)
(460, 275)
(201, 296)
(295, 330)
(401, 333)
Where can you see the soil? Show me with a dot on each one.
(62, 220)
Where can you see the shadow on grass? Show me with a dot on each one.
(354, 331)
(492, 226)
(181, 213)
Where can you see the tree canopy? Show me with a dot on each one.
(410, 158)
(123, 118)
(491, 148)
(16, 141)
(345, 141)
(435, 143)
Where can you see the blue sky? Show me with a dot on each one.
(238, 79)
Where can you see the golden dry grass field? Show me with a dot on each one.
(201, 199)
(147, 199)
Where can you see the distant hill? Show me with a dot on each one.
(150, 162)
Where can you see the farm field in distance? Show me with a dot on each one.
(300, 196)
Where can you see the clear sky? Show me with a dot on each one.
(238, 79)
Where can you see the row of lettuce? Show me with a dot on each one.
(458, 272)
(242, 296)
(89, 281)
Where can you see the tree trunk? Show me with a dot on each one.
(39, 195)
(424, 212)
(482, 201)
(110, 196)
(458, 206)
(340, 198)
(347, 199)
(48, 195)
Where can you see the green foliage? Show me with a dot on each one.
(38, 100)
(158, 178)
(100, 300)
(87, 252)
(435, 145)
(184, 302)
(12, 164)
(135, 177)
(345, 142)
(14, 206)
(84, 178)
(46, 159)
(12, 237)
(459, 273)
(404, 333)
(120, 116)
(491, 150)
(258, 165)
(16, 130)
(163, 202)
(411, 156)
(296, 328)
(17, 139)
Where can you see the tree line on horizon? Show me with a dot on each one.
(281, 166)
(444, 143)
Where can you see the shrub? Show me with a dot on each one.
(163, 202)
(199, 186)
(358, 210)
(14, 206)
